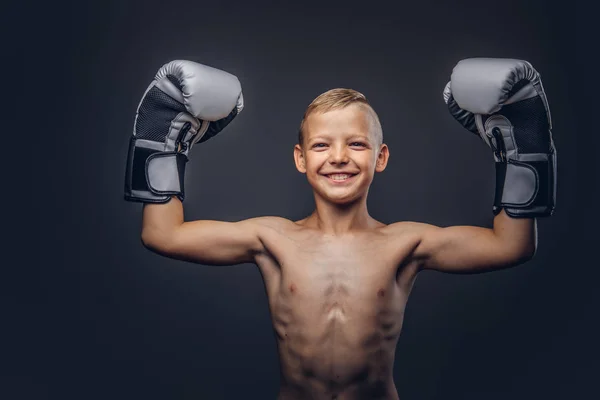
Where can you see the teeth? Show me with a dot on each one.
(339, 177)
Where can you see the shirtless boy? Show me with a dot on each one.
(338, 280)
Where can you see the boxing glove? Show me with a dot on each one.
(185, 104)
(503, 102)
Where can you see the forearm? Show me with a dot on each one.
(519, 234)
(160, 220)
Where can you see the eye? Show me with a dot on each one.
(318, 145)
(358, 144)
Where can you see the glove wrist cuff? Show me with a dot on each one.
(153, 175)
(526, 188)
(165, 173)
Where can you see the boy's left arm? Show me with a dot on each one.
(503, 102)
(472, 249)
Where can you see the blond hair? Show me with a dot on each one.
(340, 98)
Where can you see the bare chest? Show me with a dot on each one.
(365, 269)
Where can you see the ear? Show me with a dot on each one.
(299, 159)
(382, 158)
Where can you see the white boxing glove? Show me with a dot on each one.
(503, 102)
(186, 103)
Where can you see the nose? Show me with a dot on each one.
(338, 155)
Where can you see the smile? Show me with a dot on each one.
(340, 178)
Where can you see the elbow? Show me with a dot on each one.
(147, 240)
(152, 241)
(526, 254)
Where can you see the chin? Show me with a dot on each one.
(348, 199)
(343, 202)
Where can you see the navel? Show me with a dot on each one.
(381, 293)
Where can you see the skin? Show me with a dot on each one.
(338, 281)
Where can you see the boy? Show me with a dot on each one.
(338, 281)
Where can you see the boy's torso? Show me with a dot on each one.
(337, 306)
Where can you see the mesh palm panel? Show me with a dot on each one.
(155, 115)
(532, 131)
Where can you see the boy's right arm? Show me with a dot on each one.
(203, 242)
(186, 103)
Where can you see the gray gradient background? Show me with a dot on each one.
(90, 314)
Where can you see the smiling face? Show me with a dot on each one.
(340, 153)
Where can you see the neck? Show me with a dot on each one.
(337, 220)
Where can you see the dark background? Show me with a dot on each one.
(88, 313)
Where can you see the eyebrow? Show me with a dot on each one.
(353, 137)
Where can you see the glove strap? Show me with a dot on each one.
(526, 188)
(153, 175)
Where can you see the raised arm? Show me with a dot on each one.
(186, 103)
(503, 102)
(471, 249)
(205, 242)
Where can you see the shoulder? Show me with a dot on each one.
(270, 221)
(420, 234)
(266, 224)
(409, 228)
